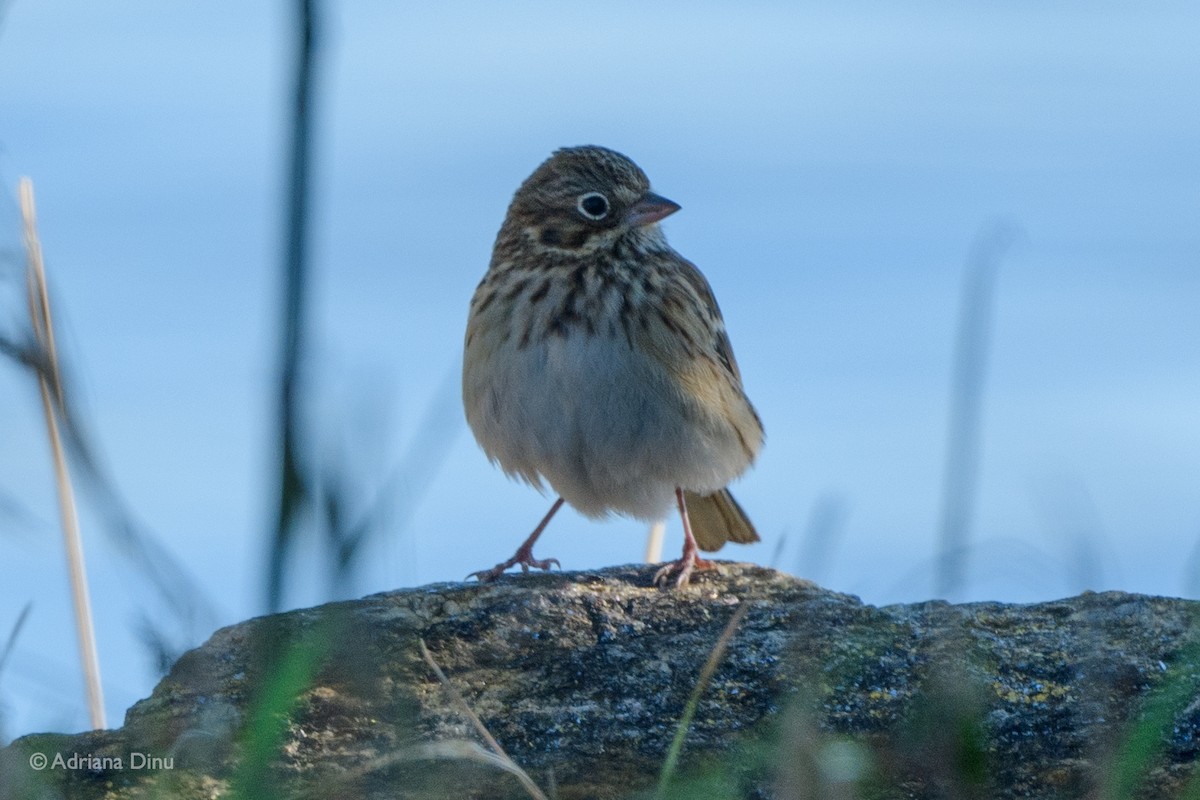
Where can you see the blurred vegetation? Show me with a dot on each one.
(944, 737)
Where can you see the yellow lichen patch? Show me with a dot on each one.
(1037, 692)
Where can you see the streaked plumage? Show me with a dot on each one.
(596, 356)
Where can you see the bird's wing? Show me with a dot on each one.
(681, 328)
(722, 348)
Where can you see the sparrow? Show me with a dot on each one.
(596, 360)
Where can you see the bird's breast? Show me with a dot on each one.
(595, 415)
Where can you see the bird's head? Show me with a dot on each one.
(583, 198)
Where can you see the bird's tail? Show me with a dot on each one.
(716, 519)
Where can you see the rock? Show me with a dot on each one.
(583, 677)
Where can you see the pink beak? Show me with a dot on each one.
(650, 209)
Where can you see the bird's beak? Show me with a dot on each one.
(651, 208)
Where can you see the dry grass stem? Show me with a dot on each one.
(654, 542)
(450, 750)
(689, 711)
(50, 384)
(480, 728)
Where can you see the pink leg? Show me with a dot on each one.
(690, 560)
(524, 554)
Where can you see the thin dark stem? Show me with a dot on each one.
(966, 407)
(293, 491)
(826, 525)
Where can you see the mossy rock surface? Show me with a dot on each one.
(582, 677)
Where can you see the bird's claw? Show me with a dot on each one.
(525, 560)
(539, 563)
(684, 566)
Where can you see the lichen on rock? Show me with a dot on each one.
(582, 677)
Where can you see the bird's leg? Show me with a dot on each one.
(524, 554)
(690, 560)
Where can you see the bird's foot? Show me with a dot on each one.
(524, 557)
(684, 566)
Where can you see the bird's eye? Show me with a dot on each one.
(593, 205)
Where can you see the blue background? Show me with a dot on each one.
(835, 165)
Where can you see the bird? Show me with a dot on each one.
(596, 360)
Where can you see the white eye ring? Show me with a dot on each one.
(590, 208)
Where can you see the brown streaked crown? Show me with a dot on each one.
(577, 192)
